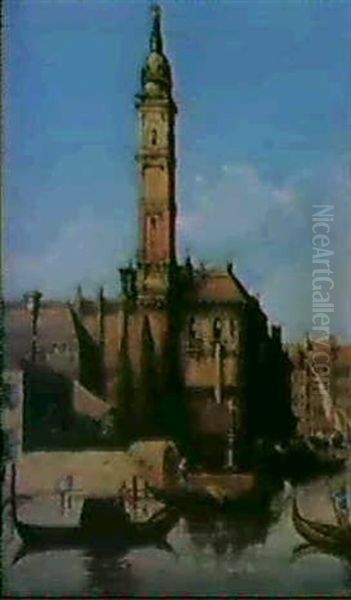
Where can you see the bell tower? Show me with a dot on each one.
(156, 165)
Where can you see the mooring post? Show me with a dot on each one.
(146, 489)
(134, 491)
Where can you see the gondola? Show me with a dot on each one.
(188, 500)
(328, 537)
(307, 549)
(103, 525)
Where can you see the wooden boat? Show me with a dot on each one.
(328, 537)
(184, 499)
(306, 549)
(103, 524)
(191, 499)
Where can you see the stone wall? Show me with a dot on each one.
(307, 393)
(199, 359)
(202, 371)
(95, 473)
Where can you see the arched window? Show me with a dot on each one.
(153, 137)
(233, 327)
(152, 234)
(217, 328)
(192, 329)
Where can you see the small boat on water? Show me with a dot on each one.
(328, 537)
(103, 525)
(184, 499)
(215, 492)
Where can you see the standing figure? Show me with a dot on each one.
(69, 489)
(183, 470)
(121, 496)
(65, 487)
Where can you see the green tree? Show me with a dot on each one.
(148, 418)
(124, 414)
(174, 408)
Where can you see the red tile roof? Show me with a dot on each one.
(219, 286)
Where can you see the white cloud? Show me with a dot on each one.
(263, 227)
(267, 227)
(237, 202)
(85, 250)
(199, 178)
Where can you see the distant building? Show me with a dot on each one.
(186, 351)
(342, 380)
(57, 340)
(322, 396)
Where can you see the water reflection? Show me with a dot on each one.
(250, 552)
(226, 537)
(106, 572)
(231, 534)
(348, 575)
(302, 550)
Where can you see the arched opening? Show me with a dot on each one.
(217, 329)
(191, 329)
(171, 460)
(153, 137)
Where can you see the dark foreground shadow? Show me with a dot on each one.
(231, 533)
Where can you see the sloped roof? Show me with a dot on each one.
(219, 286)
(86, 403)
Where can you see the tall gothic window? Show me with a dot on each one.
(233, 327)
(192, 330)
(217, 328)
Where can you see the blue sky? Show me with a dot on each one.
(263, 89)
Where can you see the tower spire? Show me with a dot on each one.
(156, 44)
(157, 164)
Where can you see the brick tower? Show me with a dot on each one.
(147, 288)
(157, 164)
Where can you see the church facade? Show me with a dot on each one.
(209, 337)
(185, 352)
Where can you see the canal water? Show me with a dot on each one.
(206, 555)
